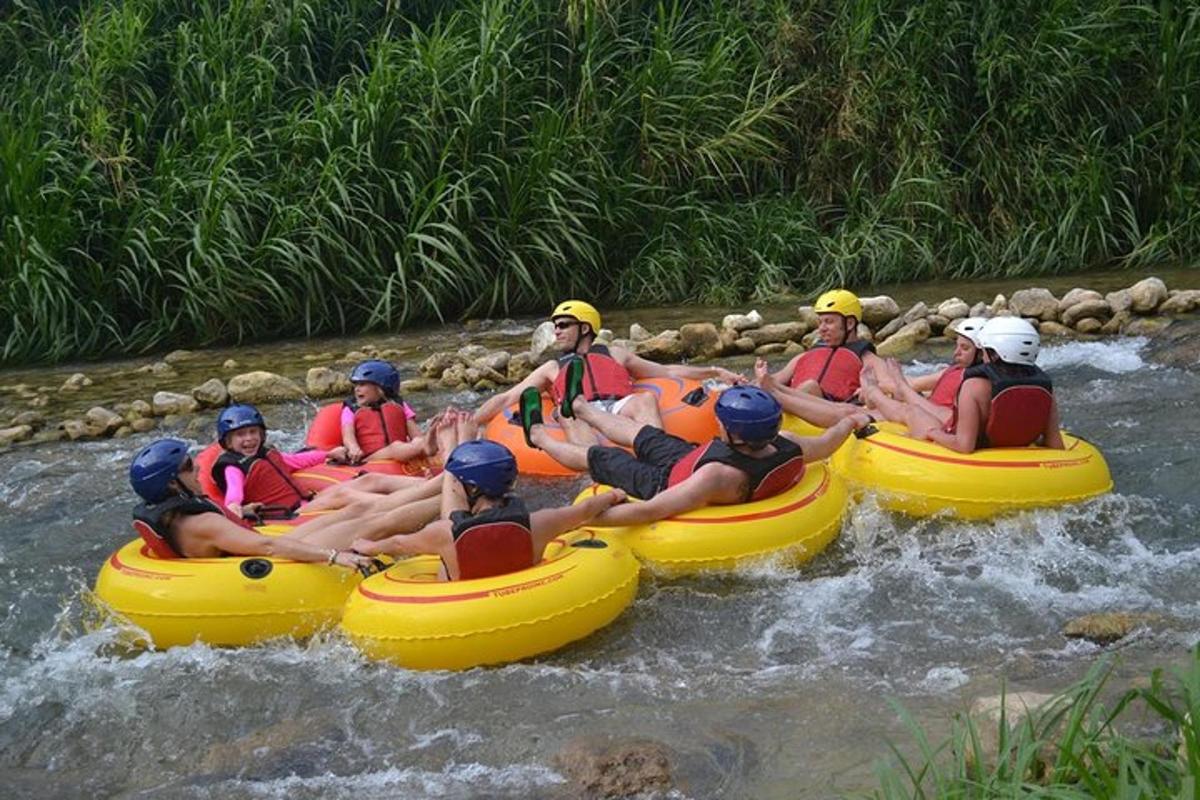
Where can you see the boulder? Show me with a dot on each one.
(865, 334)
(887, 330)
(519, 367)
(637, 333)
(741, 322)
(604, 337)
(229, 363)
(1037, 303)
(1077, 296)
(743, 345)
(496, 361)
(1089, 325)
(326, 382)
(1048, 329)
(954, 308)
(542, 341)
(980, 309)
(164, 403)
(436, 364)
(998, 307)
(103, 420)
(1096, 308)
(665, 347)
(75, 429)
(16, 433)
(263, 387)
(455, 376)
(414, 385)
(175, 356)
(39, 401)
(469, 354)
(326, 357)
(1108, 627)
(34, 419)
(778, 333)
(159, 369)
(810, 339)
(1119, 320)
(76, 382)
(905, 339)
(808, 315)
(355, 356)
(937, 324)
(211, 394)
(1144, 326)
(599, 766)
(139, 409)
(1118, 301)
(123, 432)
(1016, 709)
(1181, 302)
(918, 311)
(770, 349)
(878, 311)
(728, 338)
(700, 339)
(1146, 295)
(142, 424)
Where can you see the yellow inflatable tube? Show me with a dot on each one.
(797, 524)
(230, 601)
(407, 616)
(922, 479)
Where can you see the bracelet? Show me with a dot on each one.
(333, 554)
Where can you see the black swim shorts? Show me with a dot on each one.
(643, 474)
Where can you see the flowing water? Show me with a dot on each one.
(773, 683)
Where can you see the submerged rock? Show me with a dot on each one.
(600, 766)
(1108, 627)
(1177, 346)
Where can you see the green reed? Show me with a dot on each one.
(185, 172)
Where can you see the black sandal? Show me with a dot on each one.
(531, 412)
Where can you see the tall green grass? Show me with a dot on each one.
(1084, 743)
(185, 172)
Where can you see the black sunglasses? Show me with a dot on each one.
(563, 324)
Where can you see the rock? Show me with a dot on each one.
(436, 364)
(604, 337)
(808, 315)
(954, 308)
(1095, 308)
(75, 429)
(905, 339)
(1076, 296)
(1106, 628)
(355, 356)
(542, 341)
(519, 367)
(123, 432)
(604, 767)
(770, 349)
(792, 349)
(76, 382)
(455, 376)
(1146, 295)
(1016, 709)
(34, 419)
(1089, 325)
(142, 424)
(1037, 303)
(1113, 326)
(474, 376)
(139, 409)
(637, 333)
(887, 330)
(1181, 302)
(864, 333)
(326, 382)
(211, 394)
(1119, 301)
(918, 311)
(877, 311)
(666, 346)
(1177, 346)
(810, 339)
(700, 339)
(937, 324)
(103, 420)
(1048, 329)
(1144, 326)
(229, 363)
(17, 433)
(165, 403)
(496, 361)
(263, 387)
(728, 339)
(327, 357)
(175, 356)
(414, 385)
(741, 322)
(980, 309)
(778, 333)
(469, 354)
(999, 307)
(159, 369)
(743, 345)
(39, 401)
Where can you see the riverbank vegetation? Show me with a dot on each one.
(185, 172)
(1142, 743)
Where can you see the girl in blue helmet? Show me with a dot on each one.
(752, 460)
(378, 425)
(485, 530)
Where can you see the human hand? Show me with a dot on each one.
(367, 547)
(354, 454)
(336, 455)
(351, 559)
(728, 376)
(615, 497)
(235, 509)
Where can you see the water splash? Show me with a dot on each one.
(1117, 356)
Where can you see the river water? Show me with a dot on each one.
(773, 683)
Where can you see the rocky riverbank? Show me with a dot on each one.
(1144, 309)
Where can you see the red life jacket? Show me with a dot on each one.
(375, 427)
(603, 377)
(149, 521)
(268, 479)
(945, 391)
(835, 369)
(768, 476)
(496, 541)
(1022, 397)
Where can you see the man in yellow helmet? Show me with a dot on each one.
(822, 384)
(600, 374)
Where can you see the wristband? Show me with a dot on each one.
(333, 554)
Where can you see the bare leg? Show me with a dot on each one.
(614, 427)
(642, 407)
(816, 410)
(363, 488)
(568, 454)
(578, 431)
(914, 398)
(330, 532)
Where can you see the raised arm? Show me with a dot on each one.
(541, 378)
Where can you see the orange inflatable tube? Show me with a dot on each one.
(687, 409)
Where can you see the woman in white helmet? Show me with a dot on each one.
(892, 396)
(1005, 401)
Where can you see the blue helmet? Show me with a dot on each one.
(237, 417)
(155, 466)
(749, 414)
(487, 466)
(378, 372)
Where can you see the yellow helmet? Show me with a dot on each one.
(839, 301)
(577, 309)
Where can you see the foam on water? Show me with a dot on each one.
(1118, 356)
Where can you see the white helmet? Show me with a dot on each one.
(969, 327)
(1014, 339)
